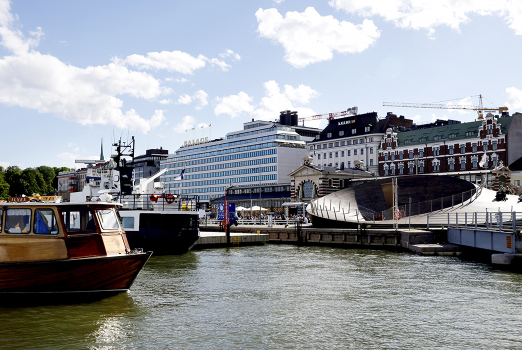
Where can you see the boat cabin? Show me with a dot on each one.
(35, 231)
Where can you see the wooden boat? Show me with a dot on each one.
(49, 248)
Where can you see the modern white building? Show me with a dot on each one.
(262, 153)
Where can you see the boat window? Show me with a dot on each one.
(45, 222)
(108, 219)
(18, 221)
(127, 222)
(78, 220)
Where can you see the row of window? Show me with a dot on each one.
(230, 180)
(343, 132)
(348, 153)
(341, 143)
(348, 164)
(436, 166)
(221, 159)
(451, 150)
(265, 169)
(45, 221)
(228, 151)
(222, 166)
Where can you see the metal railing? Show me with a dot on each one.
(251, 222)
(144, 202)
(490, 221)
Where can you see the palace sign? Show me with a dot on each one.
(195, 142)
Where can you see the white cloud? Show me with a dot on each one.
(514, 100)
(5, 165)
(428, 14)
(32, 80)
(172, 61)
(276, 101)
(178, 80)
(464, 102)
(187, 123)
(200, 96)
(308, 37)
(215, 62)
(165, 101)
(234, 105)
(228, 53)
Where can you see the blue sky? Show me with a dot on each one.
(72, 73)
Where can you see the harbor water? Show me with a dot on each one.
(287, 297)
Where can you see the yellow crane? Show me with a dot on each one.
(480, 109)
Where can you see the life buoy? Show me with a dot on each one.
(397, 215)
(169, 198)
(153, 198)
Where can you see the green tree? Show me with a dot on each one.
(17, 185)
(30, 175)
(4, 186)
(49, 175)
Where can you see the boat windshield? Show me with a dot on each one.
(108, 219)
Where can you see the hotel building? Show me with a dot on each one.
(262, 153)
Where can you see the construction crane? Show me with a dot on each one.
(480, 109)
(330, 116)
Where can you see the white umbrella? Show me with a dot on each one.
(240, 208)
(256, 207)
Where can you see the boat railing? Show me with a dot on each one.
(161, 202)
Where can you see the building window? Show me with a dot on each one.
(410, 154)
(354, 131)
(371, 150)
(342, 165)
(421, 167)
(450, 149)
(385, 171)
(362, 151)
(451, 165)
(410, 168)
(354, 152)
(330, 145)
(324, 155)
(436, 151)
(401, 169)
(392, 170)
(318, 156)
(436, 166)
(462, 149)
(421, 153)
(349, 164)
(463, 164)
(342, 153)
(494, 145)
(361, 141)
(336, 144)
(336, 154)
(355, 142)
(317, 137)
(367, 129)
(330, 154)
(337, 165)
(348, 143)
(495, 163)
(341, 133)
(386, 156)
(342, 143)
(348, 152)
(392, 156)
(400, 155)
(474, 147)
(329, 135)
(452, 136)
(371, 161)
(474, 161)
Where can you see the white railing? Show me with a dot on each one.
(490, 221)
(249, 222)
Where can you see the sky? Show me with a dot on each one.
(75, 72)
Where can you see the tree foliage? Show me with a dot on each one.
(15, 182)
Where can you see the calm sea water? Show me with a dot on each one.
(287, 297)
